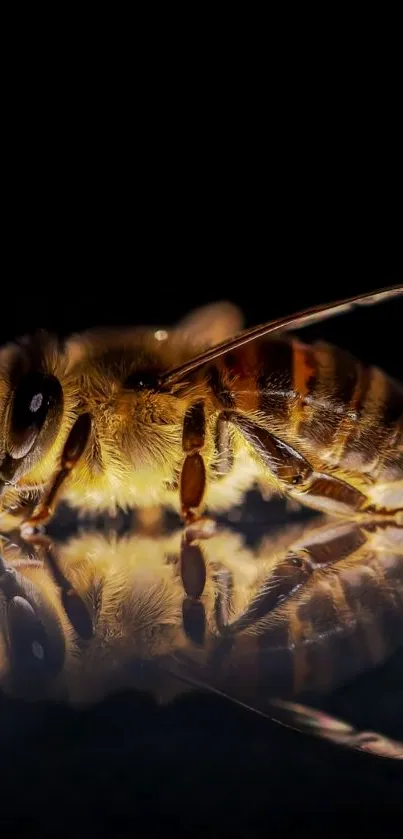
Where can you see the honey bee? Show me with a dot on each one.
(133, 418)
(307, 611)
(193, 418)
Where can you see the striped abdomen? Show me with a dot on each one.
(343, 417)
(327, 610)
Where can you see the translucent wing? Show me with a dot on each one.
(295, 321)
(317, 723)
(306, 720)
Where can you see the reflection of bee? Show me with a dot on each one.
(125, 418)
(304, 613)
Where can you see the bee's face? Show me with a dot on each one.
(33, 637)
(133, 452)
(133, 596)
(31, 411)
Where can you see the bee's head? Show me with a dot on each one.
(31, 410)
(31, 635)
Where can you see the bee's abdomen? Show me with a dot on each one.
(354, 413)
(345, 618)
(319, 399)
(350, 621)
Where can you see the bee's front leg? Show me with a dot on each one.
(74, 606)
(72, 451)
(193, 477)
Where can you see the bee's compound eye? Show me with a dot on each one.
(26, 635)
(34, 651)
(36, 395)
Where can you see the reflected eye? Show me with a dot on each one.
(27, 637)
(36, 395)
(32, 631)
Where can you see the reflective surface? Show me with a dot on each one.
(297, 613)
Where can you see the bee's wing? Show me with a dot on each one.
(301, 718)
(315, 722)
(209, 325)
(295, 321)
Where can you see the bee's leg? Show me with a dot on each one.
(295, 474)
(223, 584)
(193, 477)
(74, 606)
(193, 574)
(224, 448)
(192, 488)
(72, 451)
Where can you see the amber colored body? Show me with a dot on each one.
(334, 428)
(124, 428)
(345, 419)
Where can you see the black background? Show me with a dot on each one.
(120, 234)
(120, 289)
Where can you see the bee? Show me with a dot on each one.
(308, 610)
(193, 418)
